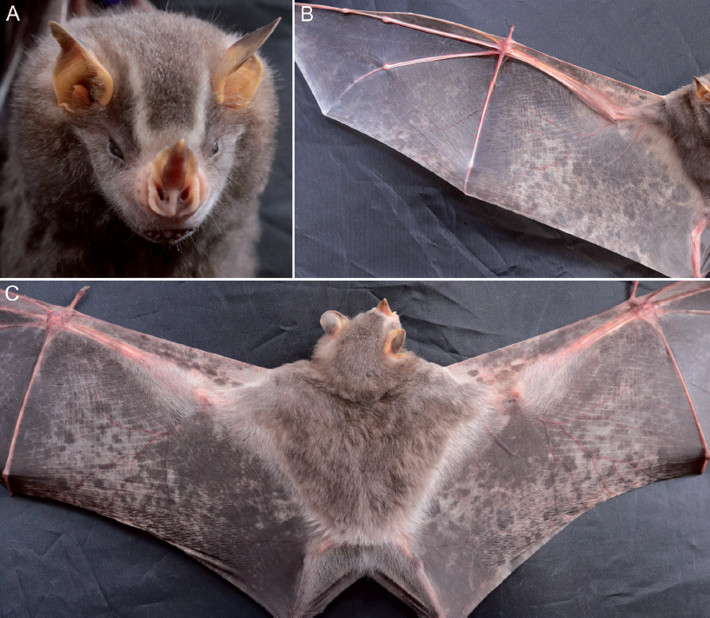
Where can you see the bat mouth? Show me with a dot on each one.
(167, 236)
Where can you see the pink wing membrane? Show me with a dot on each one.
(122, 423)
(583, 414)
(509, 125)
(577, 416)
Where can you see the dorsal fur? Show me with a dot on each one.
(361, 432)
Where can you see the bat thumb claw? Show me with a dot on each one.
(78, 296)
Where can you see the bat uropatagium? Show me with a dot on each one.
(139, 145)
(366, 460)
(607, 162)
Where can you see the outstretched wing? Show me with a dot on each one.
(582, 414)
(561, 145)
(635, 526)
(122, 423)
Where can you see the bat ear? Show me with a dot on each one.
(384, 307)
(332, 322)
(239, 72)
(702, 90)
(79, 78)
(395, 341)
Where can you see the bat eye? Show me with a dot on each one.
(114, 150)
(215, 148)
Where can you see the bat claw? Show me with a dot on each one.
(78, 296)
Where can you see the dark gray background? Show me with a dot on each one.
(241, 16)
(644, 553)
(363, 209)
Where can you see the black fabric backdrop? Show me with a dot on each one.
(365, 210)
(243, 16)
(644, 553)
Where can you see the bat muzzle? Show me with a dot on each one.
(172, 187)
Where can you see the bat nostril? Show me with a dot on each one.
(185, 195)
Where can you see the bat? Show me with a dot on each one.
(585, 340)
(541, 150)
(155, 170)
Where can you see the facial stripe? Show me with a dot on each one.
(161, 117)
(202, 97)
(140, 128)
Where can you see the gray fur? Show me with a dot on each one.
(361, 433)
(686, 117)
(364, 461)
(68, 206)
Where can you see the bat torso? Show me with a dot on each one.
(363, 468)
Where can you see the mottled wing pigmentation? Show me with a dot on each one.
(583, 414)
(365, 461)
(564, 146)
(121, 423)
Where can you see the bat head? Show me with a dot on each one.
(363, 357)
(166, 107)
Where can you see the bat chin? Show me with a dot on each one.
(162, 230)
(168, 236)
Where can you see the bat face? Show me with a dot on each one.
(463, 236)
(145, 95)
(140, 142)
